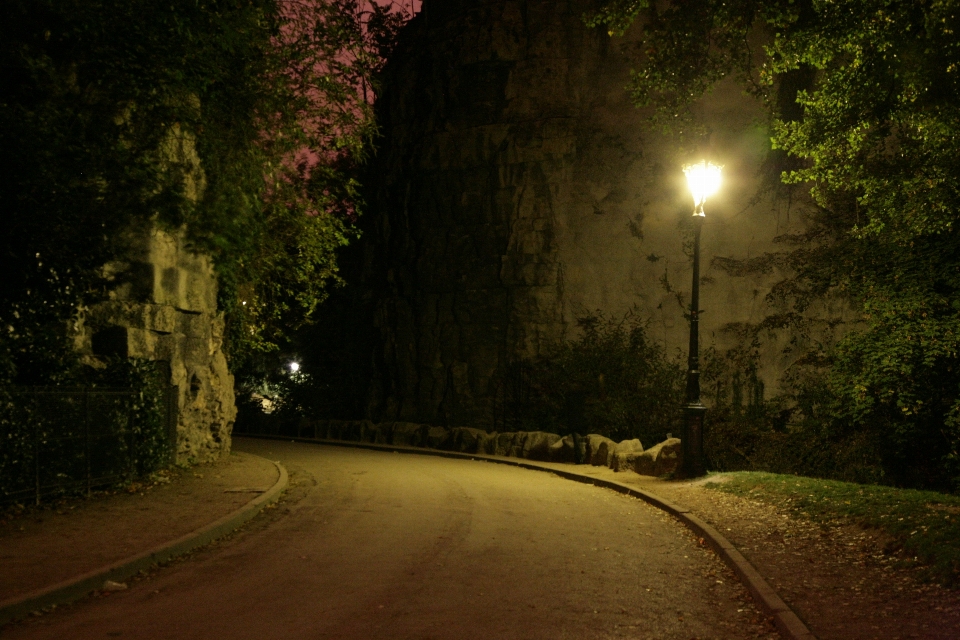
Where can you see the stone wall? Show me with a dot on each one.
(517, 188)
(163, 307)
(629, 455)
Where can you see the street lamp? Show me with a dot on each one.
(703, 179)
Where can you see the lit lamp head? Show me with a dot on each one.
(704, 181)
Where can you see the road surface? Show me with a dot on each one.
(373, 545)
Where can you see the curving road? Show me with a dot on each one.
(382, 545)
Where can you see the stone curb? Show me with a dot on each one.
(78, 587)
(786, 621)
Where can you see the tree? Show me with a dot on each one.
(270, 94)
(863, 97)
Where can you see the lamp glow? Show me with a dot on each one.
(703, 178)
(294, 367)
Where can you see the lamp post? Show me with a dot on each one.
(703, 179)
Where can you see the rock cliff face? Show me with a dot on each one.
(518, 188)
(163, 307)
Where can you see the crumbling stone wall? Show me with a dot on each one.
(163, 307)
(517, 188)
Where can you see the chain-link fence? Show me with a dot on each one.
(57, 440)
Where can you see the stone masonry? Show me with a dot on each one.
(163, 307)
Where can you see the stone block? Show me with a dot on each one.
(353, 431)
(669, 457)
(371, 432)
(141, 343)
(487, 443)
(628, 446)
(516, 447)
(580, 449)
(625, 460)
(385, 432)
(407, 434)
(436, 437)
(660, 459)
(646, 463)
(504, 443)
(599, 450)
(466, 440)
(563, 450)
(193, 325)
(624, 454)
(536, 445)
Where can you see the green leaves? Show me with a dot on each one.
(877, 125)
(617, 15)
(240, 120)
(312, 123)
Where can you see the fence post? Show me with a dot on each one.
(131, 440)
(36, 461)
(173, 417)
(86, 431)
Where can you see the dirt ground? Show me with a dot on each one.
(41, 546)
(839, 580)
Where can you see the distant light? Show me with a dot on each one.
(703, 179)
(244, 303)
(294, 367)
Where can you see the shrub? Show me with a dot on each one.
(612, 380)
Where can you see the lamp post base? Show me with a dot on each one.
(692, 443)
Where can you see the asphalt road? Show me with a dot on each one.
(383, 545)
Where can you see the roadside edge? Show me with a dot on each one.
(78, 587)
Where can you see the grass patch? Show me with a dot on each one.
(923, 524)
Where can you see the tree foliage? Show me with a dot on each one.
(863, 97)
(238, 120)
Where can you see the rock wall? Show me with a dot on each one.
(517, 188)
(163, 307)
(661, 459)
